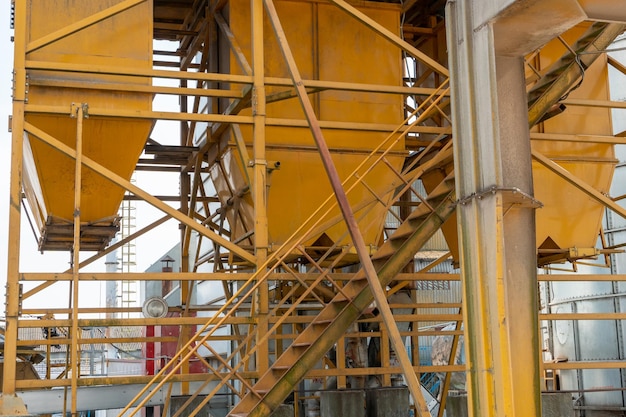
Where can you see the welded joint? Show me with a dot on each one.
(75, 107)
(511, 197)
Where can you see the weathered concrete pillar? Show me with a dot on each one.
(388, 402)
(342, 403)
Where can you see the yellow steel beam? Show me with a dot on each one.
(314, 373)
(581, 277)
(145, 114)
(139, 88)
(559, 137)
(225, 78)
(228, 118)
(245, 276)
(136, 72)
(13, 287)
(233, 44)
(78, 113)
(168, 321)
(616, 64)
(81, 24)
(110, 175)
(273, 81)
(583, 316)
(585, 365)
(607, 104)
(357, 87)
(373, 127)
(259, 180)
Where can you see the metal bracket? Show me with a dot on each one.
(20, 297)
(74, 110)
(511, 196)
(270, 165)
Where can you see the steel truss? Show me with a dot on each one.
(267, 290)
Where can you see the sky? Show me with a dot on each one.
(149, 248)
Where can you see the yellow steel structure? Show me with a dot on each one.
(307, 131)
(293, 174)
(115, 143)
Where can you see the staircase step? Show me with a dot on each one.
(322, 322)
(406, 229)
(439, 193)
(420, 211)
(384, 252)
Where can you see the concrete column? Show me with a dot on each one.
(496, 219)
(344, 403)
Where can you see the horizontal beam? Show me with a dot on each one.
(595, 103)
(137, 72)
(215, 276)
(124, 381)
(585, 365)
(143, 114)
(173, 321)
(218, 77)
(136, 88)
(583, 316)
(355, 87)
(46, 401)
(227, 118)
(558, 137)
(242, 276)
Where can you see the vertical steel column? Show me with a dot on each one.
(261, 239)
(498, 259)
(77, 112)
(9, 403)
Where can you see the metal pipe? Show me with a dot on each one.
(78, 112)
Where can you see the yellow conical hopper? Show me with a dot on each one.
(124, 41)
(350, 52)
(569, 222)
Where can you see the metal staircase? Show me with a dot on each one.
(567, 73)
(312, 344)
